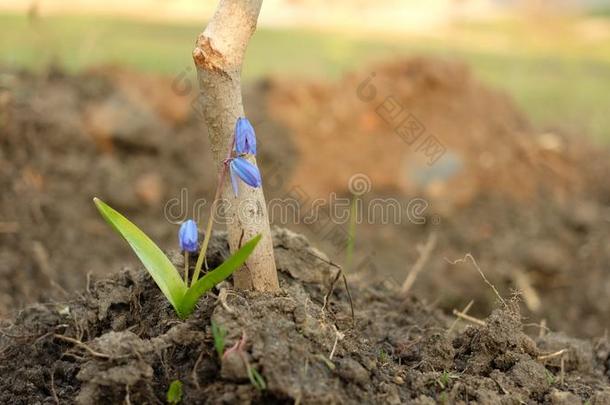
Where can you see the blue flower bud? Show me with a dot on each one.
(188, 236)
(245, 139)
(246, 171)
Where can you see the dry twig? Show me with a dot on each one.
(331, 289)
(530, 295)
(340, 272)
(53, 392)
(222, 298)
(83, 346)
(457, 319)
(424, 256)
(469, 318)
(474, 262)
(560, 353)
(543, 328)
(194, 376)
(338, 336)
(552, 355)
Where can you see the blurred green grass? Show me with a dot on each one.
(561, 80)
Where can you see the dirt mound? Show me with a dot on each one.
(528, 204)
(97, 347)
(383, 122)
(532, 207)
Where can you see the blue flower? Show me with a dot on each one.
(246, 171)
(245, 139)
(188, 236)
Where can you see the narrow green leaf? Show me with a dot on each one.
(219, 333)
(154, 260)
(256, 379)
(216, 276)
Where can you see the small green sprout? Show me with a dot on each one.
(174, 392)
(219, 333)
(383, 356)
(256, 379)
(550, 377)
(182, 297)
(445, 378)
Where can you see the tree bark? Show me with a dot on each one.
(218, 56)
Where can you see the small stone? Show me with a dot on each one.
(232, 367)
(300, 316)
(350, 369)
(370, 363)
(530, 375)
(564, 398)
(391, 395)
(399, 380)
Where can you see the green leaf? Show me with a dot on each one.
(216, 276)
(174, 392)
(154, 260)
(256, 379)
(219, 333)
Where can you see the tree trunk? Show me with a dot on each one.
(218, 56)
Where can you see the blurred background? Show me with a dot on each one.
(483, 123)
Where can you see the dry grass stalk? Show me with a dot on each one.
(474, 262)
(469, 318)
(424, 256)
(530, 295)
(457, 319)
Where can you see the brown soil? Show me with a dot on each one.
(130, 139)
(347, 126)
(531, 205)
(98, 347)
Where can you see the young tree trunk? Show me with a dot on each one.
(218, 56)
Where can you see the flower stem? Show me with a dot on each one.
(186, 267)
(208, 228)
